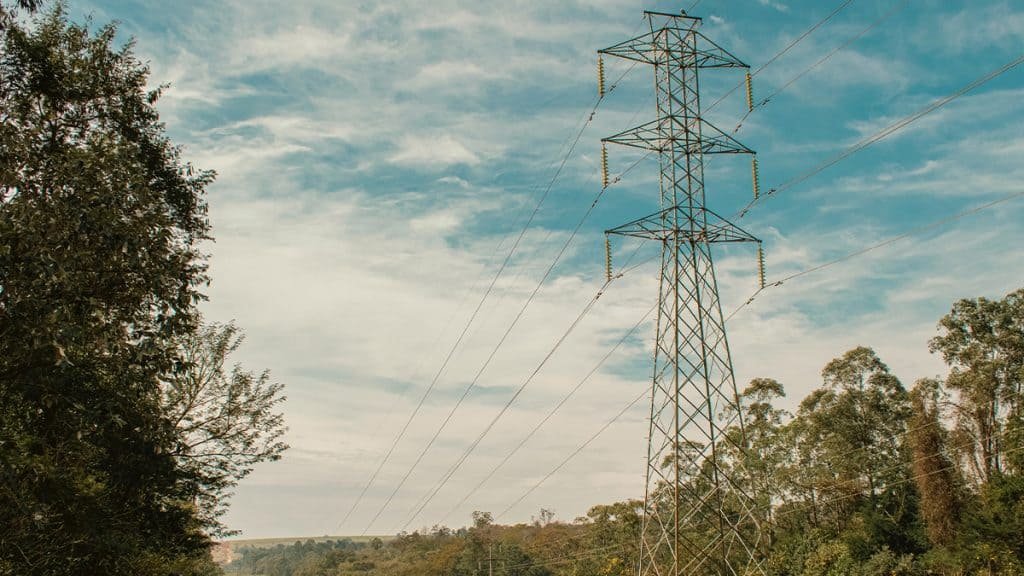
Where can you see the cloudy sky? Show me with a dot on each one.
(378, 160)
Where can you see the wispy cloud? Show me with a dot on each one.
(377, 161)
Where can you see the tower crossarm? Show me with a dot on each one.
(648, 47)
(701, 226)
(656, 136)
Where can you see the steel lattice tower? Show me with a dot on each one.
(699, 516)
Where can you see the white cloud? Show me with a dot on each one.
(436, 152)
(372, 160)
(774, 5)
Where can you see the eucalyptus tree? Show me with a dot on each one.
(982, 341)
(850, 455)
(760, 451)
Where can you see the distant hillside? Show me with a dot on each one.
(226, 551)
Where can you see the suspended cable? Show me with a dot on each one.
(508, 404)
(418, 508)
(884, 133)
(931, 225)
(572, 455)
(763, 102)
(891, 240)
(551, 413)
(572, 147)
(782, 52)
(496, 348)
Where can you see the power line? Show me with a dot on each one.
(821, 61)
(472, 318)
(454, 468)
(551, 414)
(572, 147)
(447, 476)
(572, 455)
(383, 421)
(842, 5)
(890, 240)
(778, 283)
(496, 348)
(883, 133)
(469, 450)
(522, 310)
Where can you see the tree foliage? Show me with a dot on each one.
(100, 274)
(227, 419)
(983, 342)
(862, 480)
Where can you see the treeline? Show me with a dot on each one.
(866, 478)
(309, 557)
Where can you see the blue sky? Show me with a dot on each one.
(375, 157)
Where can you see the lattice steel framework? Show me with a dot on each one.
(699, 515)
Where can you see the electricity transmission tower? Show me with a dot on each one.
(700, 513)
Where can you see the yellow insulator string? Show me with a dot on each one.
(600, 77)
(750, 92)
(604, 165)
(756, 178)
(607, 258)
(760, 265)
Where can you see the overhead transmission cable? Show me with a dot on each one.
(839, 8)
(504, 337)
(470, 289)
(806, 33)
(469, 450)
(454, 468)
(883, 133)
(890, 240)
(551, 413)
(589, 117)
(809, 270)
(572, 455)
(518, 316)
(764, 101)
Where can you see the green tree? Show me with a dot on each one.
(983, 342)
(615, 528)
(227, 419)
(760, 451)
(853, 421)
(100, 269)
(851, 459)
